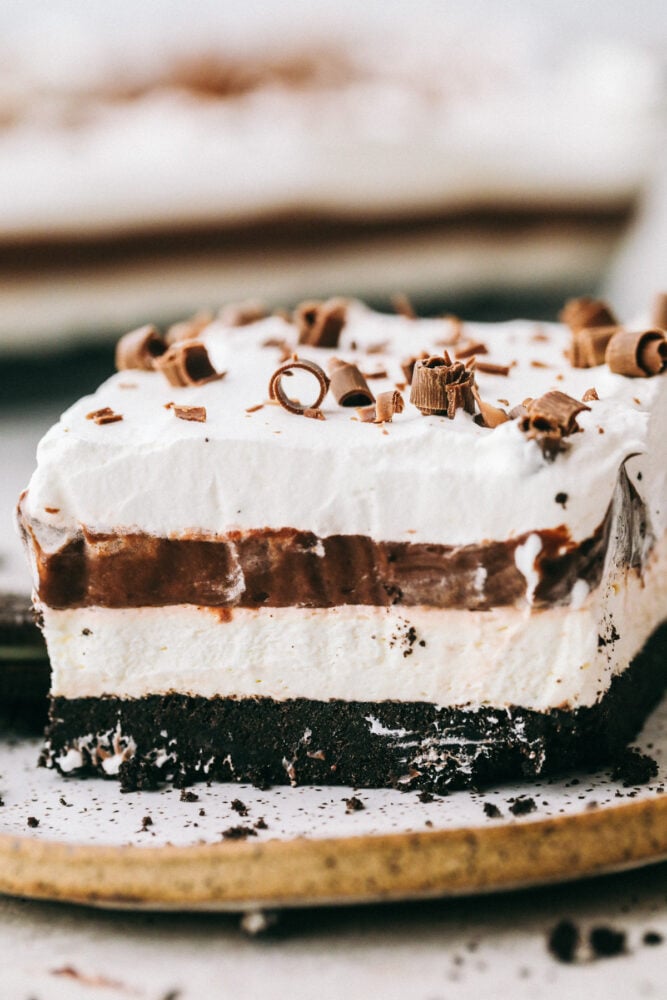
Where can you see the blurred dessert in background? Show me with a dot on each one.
(149, 164)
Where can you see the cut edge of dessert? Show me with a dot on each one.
(340, 547)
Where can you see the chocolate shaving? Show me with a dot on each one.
(488, 416)
(441, 387)
(187, 363)
(408, 365)
(348, 385)
(197, 413)
(402, 306)
(367, 414)
(276, 391)
(314, 413)
(585, 312)
(637, 355)
(255, 408)
(469, 350)
(380, 373)
(659, 314)
(104, 416)
(589, 344)
(320, 323)
(549, 419)
(242, 313)
(139, 348)
(189, 329)
(590, 395)
(490, 369)
(386, 405)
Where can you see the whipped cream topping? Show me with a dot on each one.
(426, 479)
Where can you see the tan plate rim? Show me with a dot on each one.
(302, 871)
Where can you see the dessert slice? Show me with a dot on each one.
(352, 548)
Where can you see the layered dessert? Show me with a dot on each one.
(343, 547)
(160, 163)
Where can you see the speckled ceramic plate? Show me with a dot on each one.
(236, 847)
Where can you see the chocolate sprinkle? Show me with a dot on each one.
(277, 392)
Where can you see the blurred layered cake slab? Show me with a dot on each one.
(355, 548)
(144, 176)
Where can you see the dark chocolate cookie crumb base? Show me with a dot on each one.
(414, 745)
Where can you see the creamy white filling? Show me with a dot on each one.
(563, 656)
(419, 479)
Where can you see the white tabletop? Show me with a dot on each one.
(488, 947)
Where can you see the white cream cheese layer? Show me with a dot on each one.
(561, 657)
(420, 479)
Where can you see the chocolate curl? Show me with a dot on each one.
(637, 355)
(408, 365)
(549, 419)
(348, 385)
(589, 345)
(188, 329)
(242, 313)
(488, 416)
(187, 363)
(659, 315)
(585, 312)
(277, 392)
(320, 323)
(139, 349)
(440, 387)
(386, 405)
